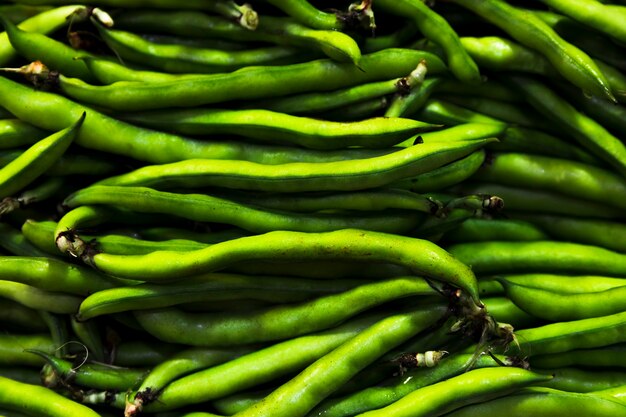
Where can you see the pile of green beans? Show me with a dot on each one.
(305, 208)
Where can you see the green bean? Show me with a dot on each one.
(108, 72)
(518, 139)
(445, 176)
(409, 104)
(40, 401)
(45, 22)
(565, 336)
(69, 164)
(105, 134)
(610, 235)
(471, 387)
(526, 200)
(16, 317)
(367, 109)
(367, 200)
(93, 375)
(555, 306)
(558, 175)
(332, 176)
(89, 335)
(205, 208)
(208, 287)
(587, 132)
(235, 403)
(503, 310)
(189, 59)
(209, 236)
(36, 160)
(12, 348)
(15, 133)
(581, 381)
(308, 15)
(15, 243)
(250, 83)
(436, 28)
(39, 299)
(566, 284)
(617, 80)
(604, 357)
(281, 128)
(594, 15)
(543, 402)
(258, 367)
(53, 275)
(59, 329)
(573, 64)
(377, 397)
(501, 54)
(441, 111)
(303, 392)
(275, 323)
(421, 257)
(544, 256)
(479, 229)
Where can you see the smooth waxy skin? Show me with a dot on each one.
(303, 392)
(580, 380)
(281, 128)
(206, 208)
(275, 323)
(40, 401)
(39, 299)
(544, 402)
(553, 174)
(569, 61)
(541, 256)
(251, 83)
(15, 133)
(36, 160)
(45, 22)
(475, 230)
(590, 134)
(553, 306)
(301, 177)
(421, 257)
(474, 386)
(565, 284)
(437, 29)
(305, 13)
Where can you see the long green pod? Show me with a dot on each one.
(607, 234)
(436, 28)
(407, 105)
(15, 133)
(35, 298)
(590, 134)
(544, 402)
(39, 401)
(12, 347)
(308, 15)
(555, 306)
(554, 174)
(582, 380)
(565, 336)
(603, 357)
(528, 200)
(69, 164)
(53, 275)
(302, 393)
(36, 160)
(531, 31)
(250, 83)
(593, 14)
(479, 229)
(445, 176)
(332, 176)
(258, 367)
(421, 257)
(14, 242)
(206, 208)
(205, 288)
(45, 22)
(282, 128)
(54, 54)
(16, 317)
(503, 310)
(395, 388)
(185, 59)
(565, 284)
(275, 323)
(102, 133)
(540, 256)
(475, 386)
(93, 375)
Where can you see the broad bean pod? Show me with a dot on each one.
(15, 133)
(421, 257)
(276, 322)
(603, 357)
(582, 380)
